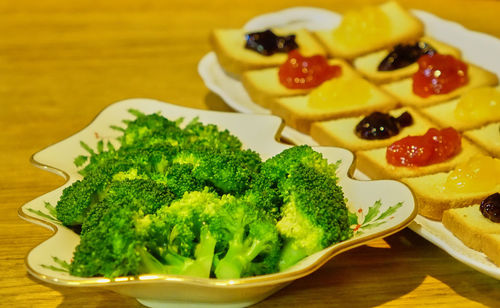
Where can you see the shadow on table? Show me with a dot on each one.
(89, 297)
(215, 102)
(366, 276)
(371, 276)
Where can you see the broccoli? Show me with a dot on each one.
(179, 235)
(209, 136)
(147, 196)
(229, 172)
(265, 190)
(111, 234)
(150, 129)
(203, 228)
(192, 201)
(75, 200)
(298, 189)
(314, 214)
(253, 243)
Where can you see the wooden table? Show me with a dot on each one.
(61, 62)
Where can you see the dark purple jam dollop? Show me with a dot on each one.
(404, 55)
(380, 125)
(268, 43)
(490, 207)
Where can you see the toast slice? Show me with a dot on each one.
(298, 114)
(470, 226)
(341, 132)
(264, 85)
(368, 65)
(487, 137)
(432, 198)
(229, 46)
(402, 26)
(374, 164)
(444, 115)
(402, 89)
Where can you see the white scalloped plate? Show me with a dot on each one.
(478, 48)
(258, 132)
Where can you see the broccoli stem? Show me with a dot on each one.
(238, 257)
(201, 265)
(150, 264)
(291, 254)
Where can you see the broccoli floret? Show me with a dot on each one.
(76, 199)
(265, 188)
(146, 130)
(151, 129)
(314, 214)
(180, 179)
(112, 242)
(228, 172)
(209, 136)
(112, 247)
(253, 243)
(149, 160)
(145, 195)
(202, 228)
(179, 235)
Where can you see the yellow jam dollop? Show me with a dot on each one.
(362, 27)
(480, 173)
(479, 104)
(340, 92)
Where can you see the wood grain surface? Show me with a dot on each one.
(61, 62)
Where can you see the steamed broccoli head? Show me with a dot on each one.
(265, 189)
(110, 248)
(279, 166)
(314, 214)
(178, 226)
(210, 136)
(228, 172)
(139, 194)
(180, 237)
(113, 231)
(251, 244)
(76, 199)
(148, 129)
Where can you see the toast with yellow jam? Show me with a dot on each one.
(369, 29)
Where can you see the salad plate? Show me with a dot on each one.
(383, 208)
(478, 48)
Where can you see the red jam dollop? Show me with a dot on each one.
(433, 147)
(439, 74)
(299, 72)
